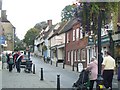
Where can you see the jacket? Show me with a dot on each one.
(119, 73)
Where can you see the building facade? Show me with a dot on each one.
(9, 32)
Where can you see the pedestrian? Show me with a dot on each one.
(93, 68)
(10, 62)
(14, 57)
(4, 61)
(108, 67)
(119, 75)
(19, 58)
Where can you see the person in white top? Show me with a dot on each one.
(108, 67)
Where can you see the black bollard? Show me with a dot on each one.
(58, 82)
(77, 67)
(56, 63)
(73, 67)
(63, 64)
(51, 62)
(41, 74)
(33, 68)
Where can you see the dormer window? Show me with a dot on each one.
(68, 40)
(77, 34)
(73, 35)
(81, 33)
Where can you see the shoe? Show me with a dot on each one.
(18, 71)
(108, 88)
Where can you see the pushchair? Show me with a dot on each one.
(28, 67)
(83, 81)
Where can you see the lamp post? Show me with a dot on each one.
(99, 78)
(111, 43)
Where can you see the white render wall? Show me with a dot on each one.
(58, 40)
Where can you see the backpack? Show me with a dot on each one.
(10, 60)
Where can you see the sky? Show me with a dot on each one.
(24, 14)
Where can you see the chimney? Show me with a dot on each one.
(0, 4)
(49, 22)
(3, 15)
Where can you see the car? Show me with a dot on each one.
(7, 52)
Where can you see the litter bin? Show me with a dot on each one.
(80, 67)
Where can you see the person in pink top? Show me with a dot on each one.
(93, 68)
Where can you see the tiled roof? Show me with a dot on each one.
(59, 29)
(69, 25)
(47, 33)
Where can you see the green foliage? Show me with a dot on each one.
(90, 12)
(30, 36)
(41, 25)
(18, 44)
(67, 13)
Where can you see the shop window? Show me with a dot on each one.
(78, 55)
(83, 55)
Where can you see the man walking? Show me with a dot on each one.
(108, 67)
(19, 57)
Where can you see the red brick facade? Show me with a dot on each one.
(73, 47)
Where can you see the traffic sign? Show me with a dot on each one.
(2, 39)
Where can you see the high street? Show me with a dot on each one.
(50, 72)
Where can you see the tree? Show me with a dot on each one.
(88, 13)
(30, 36)
(41, 25)
(18, 44)
(67, 13)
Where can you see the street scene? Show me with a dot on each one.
(73, 45)
(50, 72)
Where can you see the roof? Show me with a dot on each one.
(69, 25)
(47, 33)
(62, 24)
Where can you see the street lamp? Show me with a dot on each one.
(99, 78)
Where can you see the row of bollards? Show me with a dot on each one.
(58, 79)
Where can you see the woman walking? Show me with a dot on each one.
(10, 62)
(93, 68)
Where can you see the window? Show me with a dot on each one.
(75, 55)
(73, 35)
(81, 33)
(78, 55)
(77, 34)
(67, 37)
(83, 57)
(68, 56)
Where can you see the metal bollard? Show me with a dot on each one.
(77, 67)
(58, 82)
(63, 64)
(41, 74)
(51, 62)
(33, 68)
(73, 67)
(57, 64)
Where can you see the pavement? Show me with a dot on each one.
(22, 80)
(30, 80)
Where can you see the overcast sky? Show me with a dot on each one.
(24, 14)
